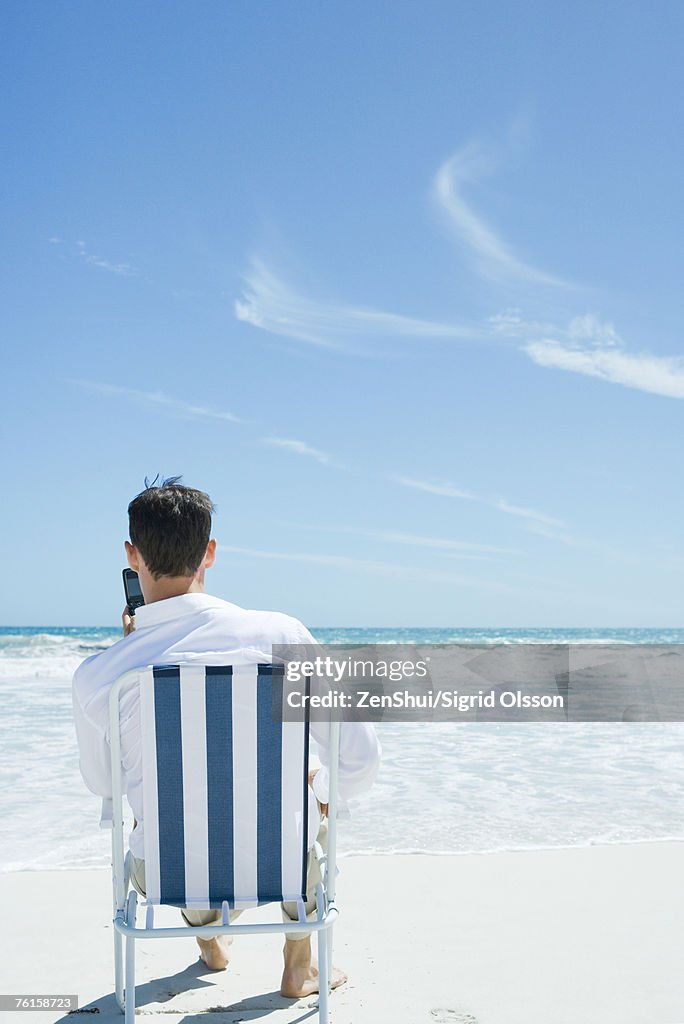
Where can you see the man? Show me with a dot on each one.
(170, 549)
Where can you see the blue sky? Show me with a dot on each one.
(398, 284)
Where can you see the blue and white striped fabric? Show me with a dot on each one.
(224, 788)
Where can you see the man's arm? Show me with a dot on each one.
(91, 717)
(93, 747)
(360, 753)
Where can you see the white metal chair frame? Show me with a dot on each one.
(125, 902)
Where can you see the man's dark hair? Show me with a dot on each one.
(170, 525)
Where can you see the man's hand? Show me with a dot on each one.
(323, 808)
(128, 621)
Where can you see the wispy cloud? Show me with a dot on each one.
(364, 565)
(441, 543)
(443, 489)
(494, 257)
(156, 399)
(530, 514)
(122, 269)
(271, 304)
(456, 548)
(290, 444)
(658, 375)
(447, 490)
(592, 347)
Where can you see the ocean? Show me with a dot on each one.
(442, 788)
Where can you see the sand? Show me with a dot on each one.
(577, 936)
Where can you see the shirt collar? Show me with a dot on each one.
(173, 608)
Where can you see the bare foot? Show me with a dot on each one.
(300, 974)
(214, 952)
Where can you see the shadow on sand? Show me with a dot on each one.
(104, 1009)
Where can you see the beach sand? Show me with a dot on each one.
(586, 935)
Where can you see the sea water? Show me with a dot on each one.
(442, 787)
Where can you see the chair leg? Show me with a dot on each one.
(130, 981)
(323, 976)
(118, 968)
(129, 1008)
(329, 945)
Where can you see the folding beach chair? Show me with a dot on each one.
(225, 796)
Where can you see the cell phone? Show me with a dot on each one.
(134, 595)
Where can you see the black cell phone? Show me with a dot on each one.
(134, 595)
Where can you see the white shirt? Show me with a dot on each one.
(200, 628)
